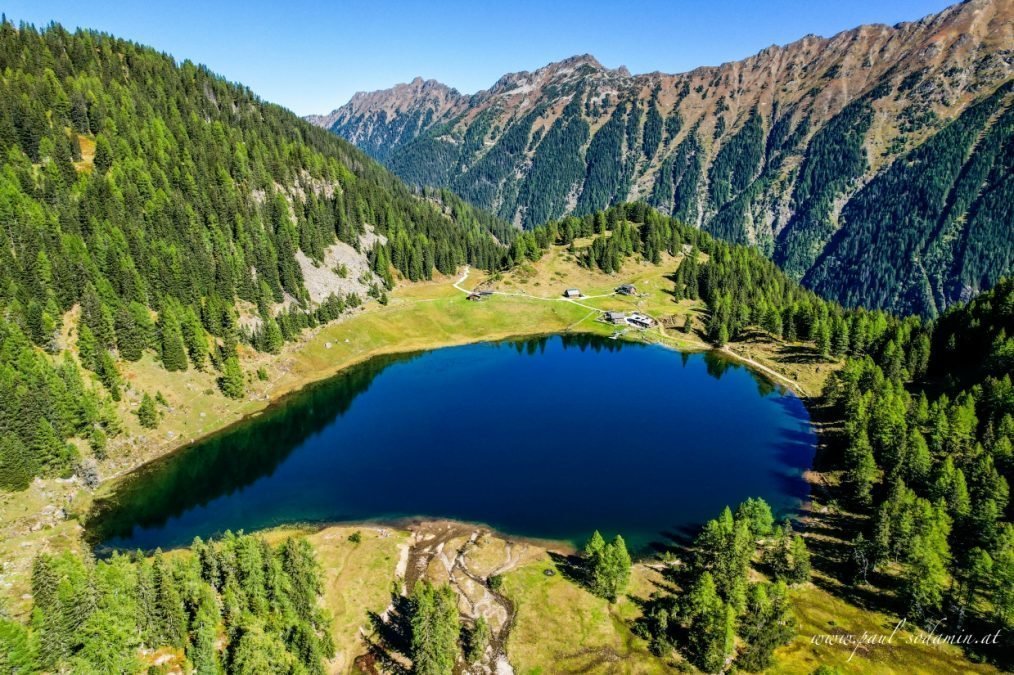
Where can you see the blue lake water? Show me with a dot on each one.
(549, 438)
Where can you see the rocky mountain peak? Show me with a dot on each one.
(769, 149)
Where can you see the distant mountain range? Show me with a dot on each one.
(875, 165)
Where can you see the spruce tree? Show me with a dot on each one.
(130, 338)
(147, 413)
(767, 624)
(231, 382)
(87, 348)
(103, 153)
(169, 612)
(195, 339)
(109, 375)
(711, 635)
(201, 651)
(435, 629)
(173, 351)
(271, 335)
(1002, 578)
(17, 464)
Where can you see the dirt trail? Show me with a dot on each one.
(791, 384)
(521, 294)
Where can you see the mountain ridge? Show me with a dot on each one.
(722, 147)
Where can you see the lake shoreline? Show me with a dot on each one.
(291, 463)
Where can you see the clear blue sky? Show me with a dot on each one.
(312, 56)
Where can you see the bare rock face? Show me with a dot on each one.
(771, 150)
(344, 271)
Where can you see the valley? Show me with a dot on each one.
(586, 372)
(590, 635)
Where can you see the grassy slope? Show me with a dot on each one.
(819, 612)
(562, 628)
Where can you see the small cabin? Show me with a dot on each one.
(572, 293)
(627, 289)
(640, 320)
(616, 317)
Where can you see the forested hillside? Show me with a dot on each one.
(888, 142)
(147, 205)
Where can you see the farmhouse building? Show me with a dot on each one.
(616, 317)
(640, 320)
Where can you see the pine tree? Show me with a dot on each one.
(478, 640)
(612, 571)
(147, 414)
(435, 629)
(594, 545)
(258, 651)
(711, 634)
(231, 382)
(722, 336)
(174, 355)
(18, 654)
(17, 464)
(758, 516)
(723, 549)
(169, 612)
(861, 469)
(790, 558)
(767, 624)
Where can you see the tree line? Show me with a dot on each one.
(930, 460)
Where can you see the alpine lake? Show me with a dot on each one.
(549, 438)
